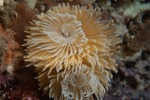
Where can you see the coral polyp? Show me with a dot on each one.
(72, 52)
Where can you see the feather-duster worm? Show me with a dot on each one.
(72, 52)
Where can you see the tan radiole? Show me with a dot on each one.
(1, 2)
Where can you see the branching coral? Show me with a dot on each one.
(72, 52)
